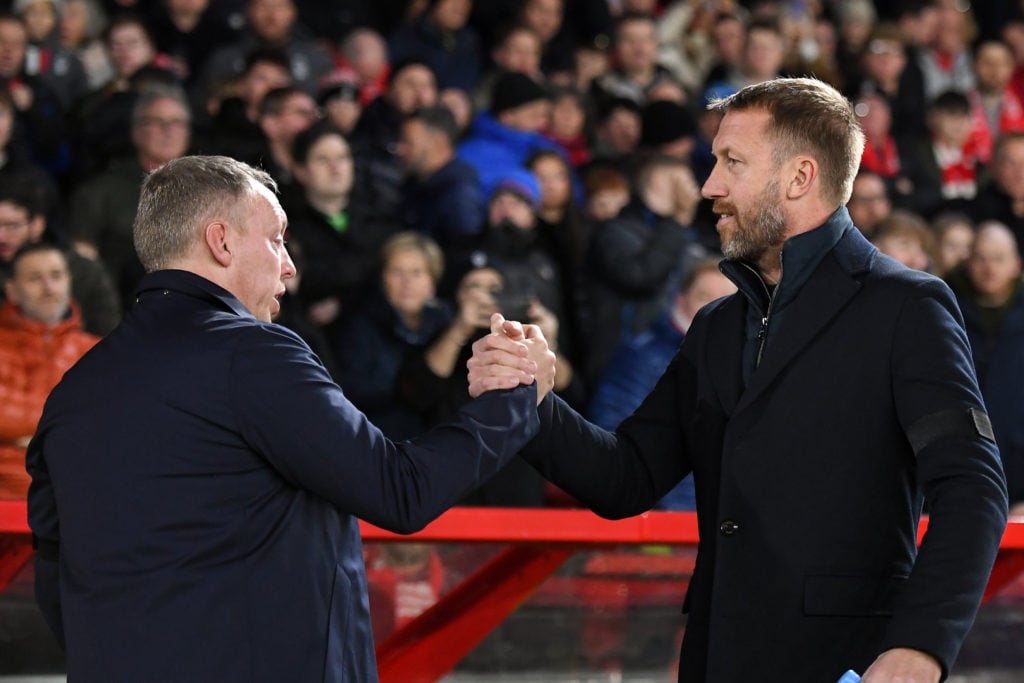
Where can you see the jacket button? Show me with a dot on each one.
(729, 527)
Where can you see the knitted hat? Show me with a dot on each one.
(342, 90)
(521, 183)
(665, 121)
(514, 89)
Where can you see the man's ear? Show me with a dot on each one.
(805, 172)
(216, 236)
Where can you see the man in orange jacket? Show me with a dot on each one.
(41, 337)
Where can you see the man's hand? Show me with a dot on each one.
(512, 354)
(903, 665)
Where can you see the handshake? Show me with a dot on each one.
(512, 354)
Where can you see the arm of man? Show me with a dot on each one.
(960, 474)
(291, 413)
(616, 474)
(42, 518)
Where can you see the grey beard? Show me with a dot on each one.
(766, 229)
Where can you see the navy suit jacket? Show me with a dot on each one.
(808, 489)
(203, 475)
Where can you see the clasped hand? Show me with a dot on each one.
(512, 354)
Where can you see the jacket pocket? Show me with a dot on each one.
(851, 595)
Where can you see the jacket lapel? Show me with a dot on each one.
(725, 351)
(821, 298)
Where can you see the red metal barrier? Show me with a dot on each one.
(538, 541)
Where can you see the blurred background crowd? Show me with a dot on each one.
(443, 159)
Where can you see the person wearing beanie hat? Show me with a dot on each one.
(503, 138)
(668, 127)
(341, 105)
(521, 183)
(515, 89)
(441, 36)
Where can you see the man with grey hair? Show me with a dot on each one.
(197, 478)
(818, 409)
(102, 208)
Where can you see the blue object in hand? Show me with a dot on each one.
(850, 677)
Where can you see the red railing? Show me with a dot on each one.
(537, 542)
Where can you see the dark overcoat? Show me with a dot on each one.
(202, 475)
(808, 487)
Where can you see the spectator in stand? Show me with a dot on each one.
(366, 53)
(441, 197)
(102, 208)
(763, 54)
(635, 62)
(561, 225)
(38, 116)
(855, 20)
(411, 86)
(516, 48)
(881, 152)
(284, 113)
(996, 107)
(607, 192)
(569, 126)
(635, 259)
(41, 337)
(684, 41)
(434, 382)
(869, 201)
(102, 119)
(23, 222)
(441, 38)
(534, 284)
(946, 176)
(188, 32)
(547, 18)
(339, 231)
(991, 295)
(946, 61)
(640, 360)
(270, 24)
(886, 72)
(1002, 197)
(235, 129)
(340, 104)
(905, 237)
(16, 164)
(82, 23)
(398, 318)
(458, 102)
(618, 131)
(668, 128)
(503, 138)
(59, 68)
(728, 35)
(954, 238)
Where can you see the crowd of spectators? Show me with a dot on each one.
(443, 159)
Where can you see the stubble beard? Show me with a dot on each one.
(759, 230)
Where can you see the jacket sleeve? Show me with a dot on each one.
(958, 470)
(42, 518)
(622, 473)
(290, 412)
